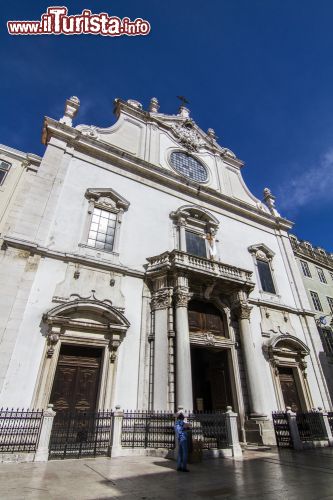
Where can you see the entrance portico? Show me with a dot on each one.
(185, 279)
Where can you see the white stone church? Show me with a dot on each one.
(138, 270)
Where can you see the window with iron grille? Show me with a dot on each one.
(331, 275)
(316, 301)
(330, 303)
(4, 169)
(321, 275)
(305, 268)
(327, 339)
(265, 275)
(102, 229)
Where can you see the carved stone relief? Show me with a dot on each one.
(84, 283)
(187, 135)
(275, 322)
(162, 299)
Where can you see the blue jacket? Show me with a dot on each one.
(180, 430)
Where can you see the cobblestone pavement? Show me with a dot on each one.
(286, 475)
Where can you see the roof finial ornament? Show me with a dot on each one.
(269, 199)
(154, 105)
(183, 111)
(71, 108)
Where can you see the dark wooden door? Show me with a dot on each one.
(289, 388)
(76, 381)
(205, 317)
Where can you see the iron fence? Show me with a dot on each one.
(151, 429)
(310, 426)
(81, 434)
(209, 428)
(19, 430)
(330, 419)
(281, 429)
(148, 429)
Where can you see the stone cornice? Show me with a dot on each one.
(281, 307)
(69, 257)
(318, 260)
(29, 159)
(112, 154)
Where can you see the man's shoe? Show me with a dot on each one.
(179, 469)
(185, 470)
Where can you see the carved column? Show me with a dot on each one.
(183, 351)
(254, 380)
(161, 302)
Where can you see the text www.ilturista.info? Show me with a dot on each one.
(56, 21)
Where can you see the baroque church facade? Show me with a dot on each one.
(139, 270)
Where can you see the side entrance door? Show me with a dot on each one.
(76, 382)
(78, 429)
(289, 388)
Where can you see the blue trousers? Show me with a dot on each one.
(182, 454)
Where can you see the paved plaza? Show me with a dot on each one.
(269, 475)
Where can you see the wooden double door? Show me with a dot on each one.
(289, 388)
(77, 377)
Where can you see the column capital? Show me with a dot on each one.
(182, 296)
(242, 309)
(162, 299)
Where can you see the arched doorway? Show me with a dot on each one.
(286, 354)
(80, 360)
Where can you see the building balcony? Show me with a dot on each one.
(199, 268)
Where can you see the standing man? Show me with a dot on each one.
(181, 429)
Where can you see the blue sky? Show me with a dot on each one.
(259, 72)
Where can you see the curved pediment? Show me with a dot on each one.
(288, 344)
(88, 315)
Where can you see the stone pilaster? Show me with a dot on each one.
(161, 303)
(42, 453)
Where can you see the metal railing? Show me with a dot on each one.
(310, 426)
(153, 429)
(19, 430)
(81, 434)
(147, 429)
(282, 430)
(209, 428)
